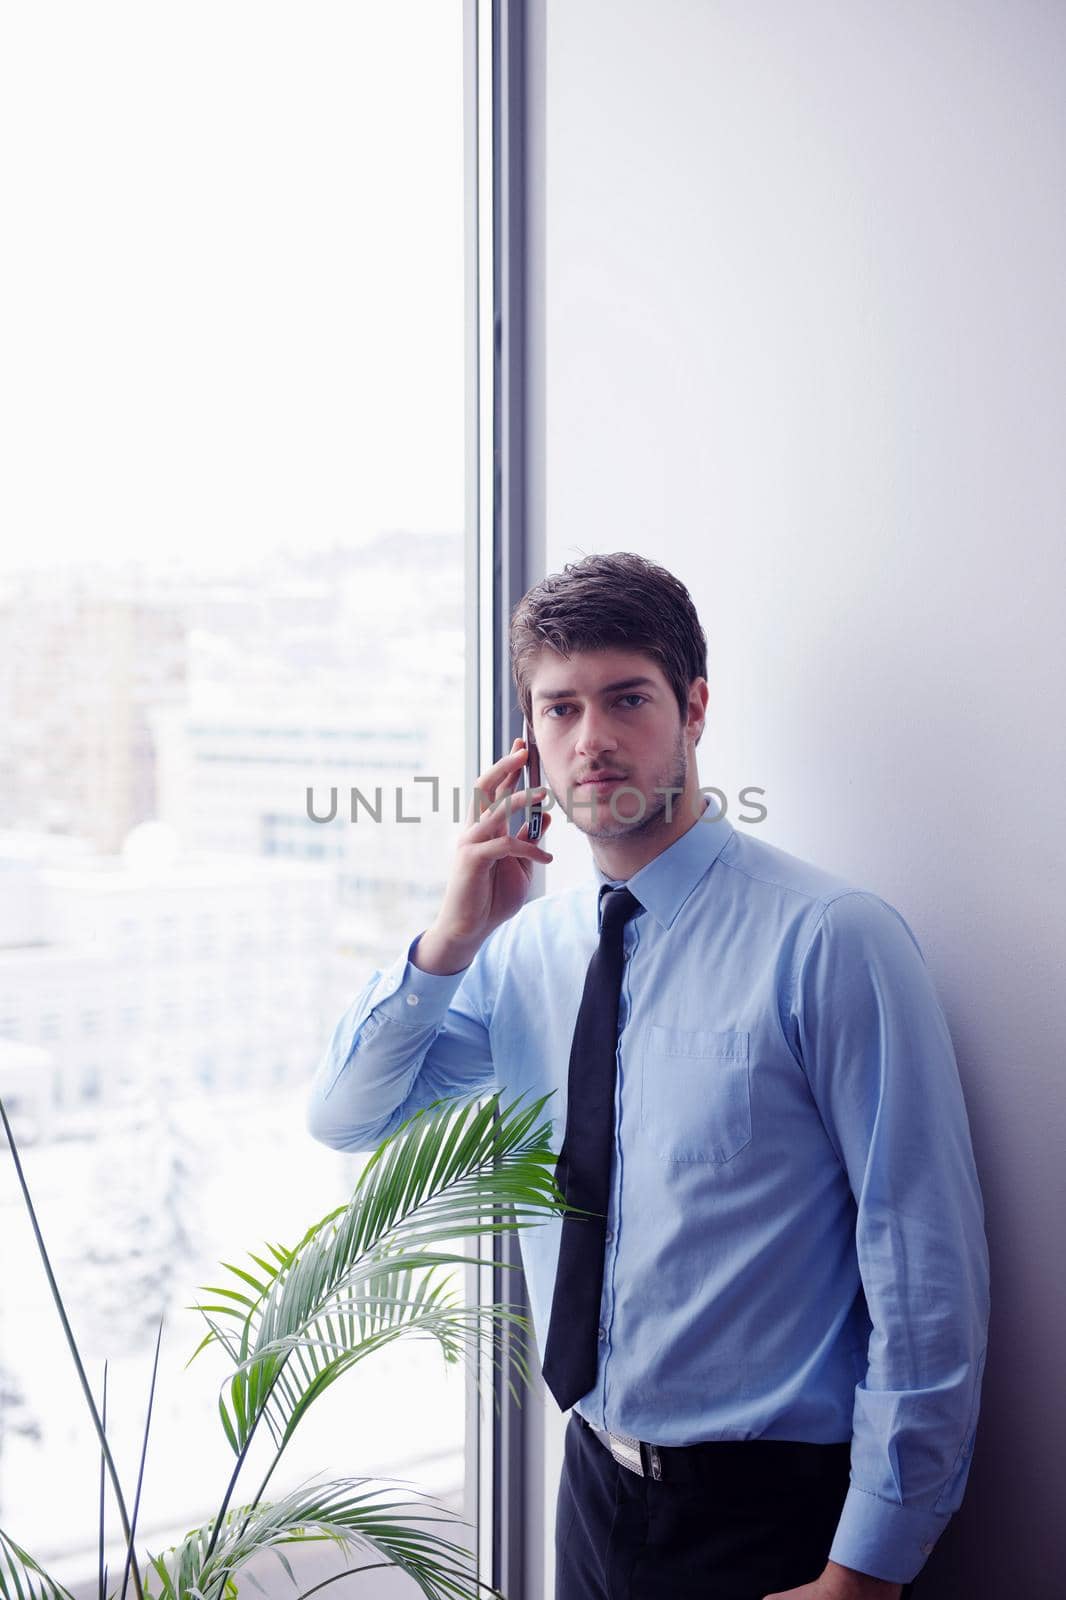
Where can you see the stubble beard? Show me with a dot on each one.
(607, 826)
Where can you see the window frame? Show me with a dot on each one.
(502, 560)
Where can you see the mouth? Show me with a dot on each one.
(602, 780)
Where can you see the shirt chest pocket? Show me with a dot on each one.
(695, 1094)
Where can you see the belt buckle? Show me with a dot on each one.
(638, 1457)
(626, 1451)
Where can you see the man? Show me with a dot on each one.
(784, 1273)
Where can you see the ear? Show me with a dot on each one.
(698, 696)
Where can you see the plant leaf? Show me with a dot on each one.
(22, 1578)
(371, 1270)
(346, 1512)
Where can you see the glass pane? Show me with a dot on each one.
(232, 392)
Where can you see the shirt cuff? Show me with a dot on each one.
(883, 1539)
(404, 993)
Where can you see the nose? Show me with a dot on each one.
(594, 736)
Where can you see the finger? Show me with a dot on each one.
(510, 780)
(509, 845)
(489, 781)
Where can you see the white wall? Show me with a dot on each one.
(799, 335)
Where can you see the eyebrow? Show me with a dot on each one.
(608, 688)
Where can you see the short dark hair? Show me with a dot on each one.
(610, 602)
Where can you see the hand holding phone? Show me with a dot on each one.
(492, 868)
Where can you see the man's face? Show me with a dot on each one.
(611, 716)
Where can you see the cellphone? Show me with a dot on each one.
(532, 782)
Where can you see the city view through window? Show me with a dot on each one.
(231, 571)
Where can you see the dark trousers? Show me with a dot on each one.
(742, 1519)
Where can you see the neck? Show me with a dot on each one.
(621, 857)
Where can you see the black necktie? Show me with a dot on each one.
(583, 1171)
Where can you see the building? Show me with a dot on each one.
(198, 972)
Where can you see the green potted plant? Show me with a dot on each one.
(374, 1270)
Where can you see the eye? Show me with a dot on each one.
(562, 705)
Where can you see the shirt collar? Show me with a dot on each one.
(663, 884)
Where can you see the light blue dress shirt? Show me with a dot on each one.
(795, 1239)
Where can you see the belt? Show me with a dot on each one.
(732, 1462)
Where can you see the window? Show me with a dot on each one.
(233, 395)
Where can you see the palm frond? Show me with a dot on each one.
(323, 1351)
(346, 1512)
(379, 1268)
(367, 1272)
(22, 1578)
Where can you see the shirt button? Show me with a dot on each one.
(412, 999)
(608, 1236)
(603, 1333)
